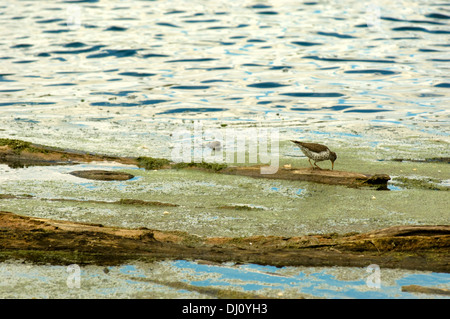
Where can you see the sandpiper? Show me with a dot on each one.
(317, 153)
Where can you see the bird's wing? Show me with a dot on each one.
(312, 146)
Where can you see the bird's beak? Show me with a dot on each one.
(332, 165)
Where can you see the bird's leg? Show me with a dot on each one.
(316, 165)
(309, 160)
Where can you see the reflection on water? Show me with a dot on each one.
(184, 279)
(161, 59)
(120, 77)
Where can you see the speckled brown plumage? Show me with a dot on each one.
(316, 152)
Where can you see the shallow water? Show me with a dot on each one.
(367, 78)
(181, 279)
(116, 77)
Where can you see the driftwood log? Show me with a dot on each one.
(102, 175)
(63, 242)
(17, 153)
(323, 176)
(426, 290)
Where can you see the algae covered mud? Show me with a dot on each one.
(206, 199)
(95, 96)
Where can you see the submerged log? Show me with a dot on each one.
(17, 153)
(426, 290)
(323, 176)
(63, 242)
(102, 175)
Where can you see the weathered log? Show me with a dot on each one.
(102, 175)
(426, 290)
(323, 176)
(63, 242)
(18, 153)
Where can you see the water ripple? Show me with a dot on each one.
(336, 61)
(313, 57)
(313, 94)
(335, 34)
(266, 85)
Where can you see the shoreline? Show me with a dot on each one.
(46, 241)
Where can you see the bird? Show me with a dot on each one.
(317, 153)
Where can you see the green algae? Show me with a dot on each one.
(151, 163)
(216, 167)
(138, 202)
(17, 146)
(65, 257)
(426, 183)
(240, 207)
(204, 203)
